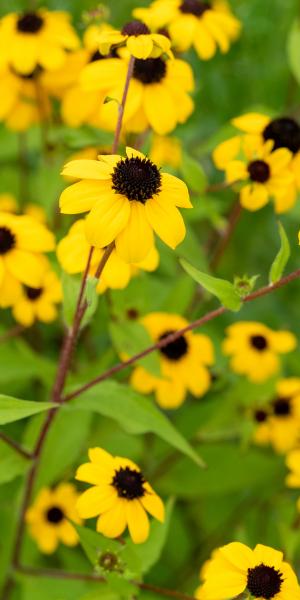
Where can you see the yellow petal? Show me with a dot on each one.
(154, 505)
(81, 196)
(93, 473)
(101, 457)
(226, 152)
(254, 197)
(236, 170)
(107, 219)
(138, 522)
(135, 241)
(159, 108)
(95, 501)
(27, 267)
(204, 42)
(166, 221)
(268, 556)
(251, 122)
(87, 169)
(239, 555)
(113, 522)
(175, 190)
(140, 46)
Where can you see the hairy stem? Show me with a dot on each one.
(16, 446)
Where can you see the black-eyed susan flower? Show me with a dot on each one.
(261, 573)
(254, 349)
(73, 251)
(128, 199)
(22, 240)
(202, 24)
(278, 422)
(8, 203)
(166, 150)
(48, 519)
(34, 303)
(158, 95)
(184, 363)
(36, 38)
(120, 495)
(138, 39)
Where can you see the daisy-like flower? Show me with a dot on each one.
(120, 495)
(262, 573)
(38, 303)
(166, 150)
(24, 102)
(278, 422)
(254, 349)
(48, 519)
(22, 240)
(73, 251)
(128, 198)
(138, 39)
(36, 38)
(158, 95)
(184, 363)
(204, 25)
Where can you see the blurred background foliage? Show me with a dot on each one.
(241, 495)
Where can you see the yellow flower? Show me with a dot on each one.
(48, 518)
(261, 572)
(204, 25)
(22, 239)
(166, 151)
(158, 95)
(36, 211)
(34, 303)
(36, 38)
(183, 362)
(128, 198)
(8, 203)
(23, 102)
(73, 251)
(293, 463)
(254, 349)
(120, 495)
(278, 423)
(138, 39)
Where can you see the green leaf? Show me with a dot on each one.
(12, 409)
(94, 543)
(150, 552)
(130, 338)
(193, 174)
(136, 414)
(71, 287)
(293, 49)
(11, 463)
(281, 258)
(92, 300)
(222, 289)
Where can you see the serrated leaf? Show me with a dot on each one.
(193, 174)
(135, 413)
(13, 409)
(293, 49)
(281, 258)
(222, 289)
(129, 338)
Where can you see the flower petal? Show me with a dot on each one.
(135, 241)
(113, 522)
(81, 196)
(96, 500)
(107, 219)
(138, 522)
(87, 169)
(175, 190)
(166, 221)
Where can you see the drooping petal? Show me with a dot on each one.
(160, 108)
(107, 219)
(166, 221)
(96, 500)
(82, 196)
(140, 46)
(154, 505)
(135, 241)
(175, 190)
(113, 522)
(87, 169)
(138, 522)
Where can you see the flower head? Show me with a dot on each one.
(262, 573)
(128, 198)
(184, 363)
(140, 42)
(36, 38)
(254, 349)
(38, 303)
(73, 251)
(120, 495)
(48, 518)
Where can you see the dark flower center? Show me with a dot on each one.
(259, 171)
(129, 483)
(30, 22)
(135, 27)
(174, 350)
(7, 240)
(194, 7)
(151, 70)
(260, 415)
(136, 178)
(258, 342)
(96, 56)
(284, 132)
(55, 515)
(32, 293)
(282, 407)
(264, 582)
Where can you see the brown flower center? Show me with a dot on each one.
(259, 171)
(129, 483)
(264, 581)
(174, 350)
(30, 22)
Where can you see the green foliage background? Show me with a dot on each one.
(241, 495)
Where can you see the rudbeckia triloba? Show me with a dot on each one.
(23, 101)
(278, 422)
(73, 251)
(254, 348)
(264, 174)
(48, 517)
(37, 38)
(22, 239)
(34, 303)
(166, 150)
(140, 42)
(183, 362)
(120, 495)
(128, 198)
(261, 573)
(205, 25)
(158, 95)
